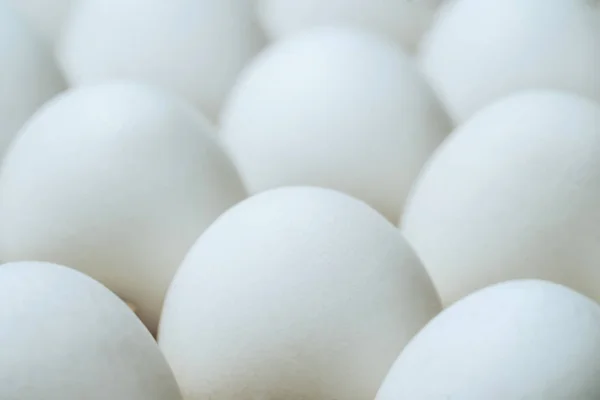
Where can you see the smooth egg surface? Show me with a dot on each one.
(337, 108)
(65, 336)
(298, 293)
(28, 74)
(481, 50)
(517, 340)
(116, 180)
(195, 48)
(513, 193)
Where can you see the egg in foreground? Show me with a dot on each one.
(294, 293)
(65, 336)
(517, 340)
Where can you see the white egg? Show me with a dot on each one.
(518, 340)
(403, 21)
(193, 47)
(28, 74)
(296, 293)
(513, 193)
(65, 336)
(335, 108)
(481, 50)
(46, 16)
(116, 180)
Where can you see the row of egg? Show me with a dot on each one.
(302, 292)
(198, 48)
(325, 326)
(322, 314)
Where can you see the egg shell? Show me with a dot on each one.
(47, 17)
(337, 108)
(402, 21)
(517, 340)
(513, 193)
(116, 180)
(65, 336)
(195, 48)
(481, 50)
(28, 74)
(301, 293)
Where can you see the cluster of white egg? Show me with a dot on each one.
(286, 193)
